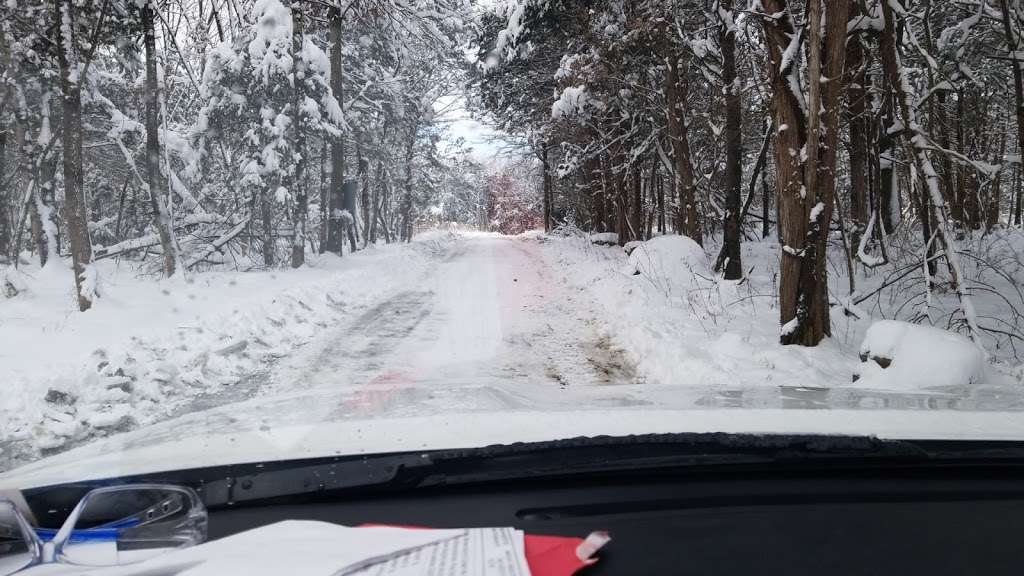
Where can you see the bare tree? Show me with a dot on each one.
(155, 181)
(71, 137)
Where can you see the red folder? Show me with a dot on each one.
(554, 555)
(561, 556)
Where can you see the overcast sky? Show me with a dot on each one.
(484, 139)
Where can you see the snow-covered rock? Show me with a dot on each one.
(632, 245)
(904, 356)
(671, 262)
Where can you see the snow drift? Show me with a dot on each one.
(903, 356)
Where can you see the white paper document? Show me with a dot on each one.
(479, 552)
(289, 548)
(305, 548)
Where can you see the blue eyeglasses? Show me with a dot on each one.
(110, 526)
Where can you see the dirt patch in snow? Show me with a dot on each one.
(611, 363)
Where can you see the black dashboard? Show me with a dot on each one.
(824, 517)
(904, 523)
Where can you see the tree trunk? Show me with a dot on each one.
(267, 219)
(363, 169)
(1018, 195)
(676, 89)
(45, 225)
(335, 234)
(831, 96)
(375, 202)
(808, 330)
(8, 216)
(788, 119)
(1013, 45)
(298, 178)
(593, 182)
(637, 207)
(888, 190)
(859, 134)
(730, 259)
(71, 136)
(405, 234)
(154, 179)
(660, 186)
(547, 186)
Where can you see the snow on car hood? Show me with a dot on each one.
(167, 446)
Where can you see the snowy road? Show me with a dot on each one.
(487, 328)
(491, 330)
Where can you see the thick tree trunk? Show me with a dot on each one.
(335, 233)
(831, 75)
(808, 329)
(298, 184)
(787, 116)
(154, 178)
(730, 259)
(71, 137)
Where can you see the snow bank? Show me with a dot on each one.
(149, 347)
(605, 238)
(682, 326)
(670, 262)
(904, 356)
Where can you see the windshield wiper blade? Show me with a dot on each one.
(542, 459)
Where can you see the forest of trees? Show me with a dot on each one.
(183, 134)
(888, 131)
(188, 133)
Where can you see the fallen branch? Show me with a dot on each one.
(151, 240)
(217, 244)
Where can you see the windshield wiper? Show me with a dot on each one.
(549, 459)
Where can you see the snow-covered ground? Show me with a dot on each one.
(446, 331)
(685, 327)
(152, 349)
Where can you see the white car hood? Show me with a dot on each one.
(169, 446)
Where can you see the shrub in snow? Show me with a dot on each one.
(901, 355)
(567, 230)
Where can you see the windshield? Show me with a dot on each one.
(265, 229)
